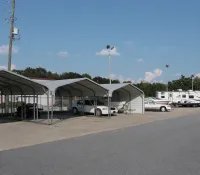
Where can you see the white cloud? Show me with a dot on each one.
(62, 54)
(158, 72)
(197, 75)
(121, 78)
(113, 76)
(105, 52)
(13, 66)
(150, 76)
(139, 60)
(139, 80)
(4, 49)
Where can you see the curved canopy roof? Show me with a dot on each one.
(122, 87)
(15, 84)
(75, 87)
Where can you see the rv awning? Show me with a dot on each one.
(14, 84)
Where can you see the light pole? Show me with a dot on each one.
(192, 76)
(109, 49)
(167, 66)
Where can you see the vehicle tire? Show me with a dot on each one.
(163, 109)
(98, 112)
(75, 111)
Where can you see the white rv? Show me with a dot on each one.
(179, 96)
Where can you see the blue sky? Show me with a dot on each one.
(65, 36)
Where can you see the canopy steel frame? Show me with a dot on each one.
(24, 85)
(19, 90)
(80, 96)
(95, 104)
(129, 94)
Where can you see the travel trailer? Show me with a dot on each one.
(179, 96)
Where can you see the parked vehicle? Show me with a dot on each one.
(88, 106)
(178, 96)
(158, 100)
(152, 105)
(29, 110)
(187, 103)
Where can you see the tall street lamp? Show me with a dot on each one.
(167, 66)
(109, 49)
(192, 76)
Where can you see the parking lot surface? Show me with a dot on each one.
(21, 134)
(167, 147)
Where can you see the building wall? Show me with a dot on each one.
(133, 105)
(137, 105)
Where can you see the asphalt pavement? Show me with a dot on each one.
(168, 147)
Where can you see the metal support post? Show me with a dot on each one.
(2, 105)
(95, 106)
(22, 109)
(109, 59)
(5, 101)
(25, 107)
(14, 105)
(52, 96)
(48, 107)
(37, 107)
(61, 103)
(143, 104)
(33, 106)
(11, 109)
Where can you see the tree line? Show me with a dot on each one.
(149, 89)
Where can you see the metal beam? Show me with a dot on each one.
(33, 90)
(129, 97)
(86, 88)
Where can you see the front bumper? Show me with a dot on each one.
(169, 109)
(105, 112)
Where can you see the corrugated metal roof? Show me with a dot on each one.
(54, 84)
(15, 84)
(114, 87)
(86, 86)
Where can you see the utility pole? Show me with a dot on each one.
(12, 18)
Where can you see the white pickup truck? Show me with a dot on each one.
(88, 106)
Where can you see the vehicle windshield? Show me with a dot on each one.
(98, 102)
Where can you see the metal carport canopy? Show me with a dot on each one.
(15, 84)
(124, 87)
(75, 87)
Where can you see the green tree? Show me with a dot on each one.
(115, 81)
(101, 80)
(70, 75)
(86, 75)
(127, 82)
